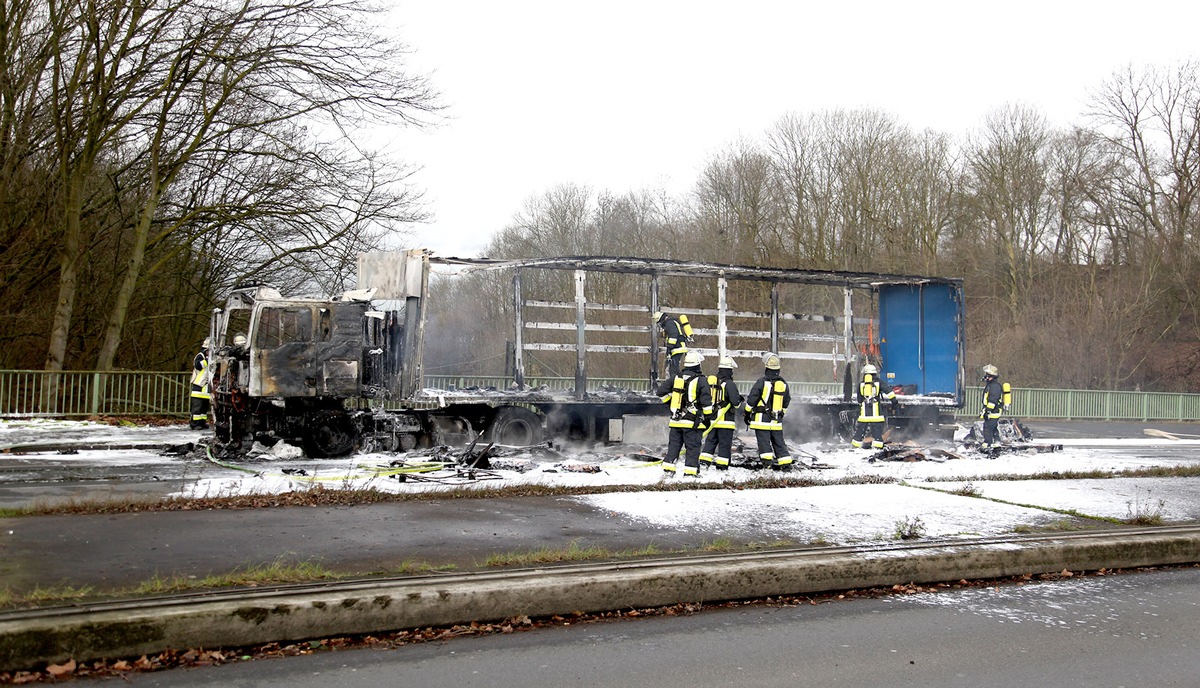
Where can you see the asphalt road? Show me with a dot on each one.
(1113, 631)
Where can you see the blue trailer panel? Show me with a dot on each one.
(919, 337)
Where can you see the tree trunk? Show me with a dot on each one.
(133, 271)
(68, 279)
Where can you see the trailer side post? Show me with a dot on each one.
(848, 323)
(775, 317)
(722, 284)
(518, 332)
(580, 346)
(653, 333)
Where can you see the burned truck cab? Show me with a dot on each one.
(302, 359)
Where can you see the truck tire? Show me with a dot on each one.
(328, 435)
(516, 426)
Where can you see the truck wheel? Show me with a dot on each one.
(516, 426)
(328, 435)
(407, 442)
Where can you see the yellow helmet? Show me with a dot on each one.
(771, 361)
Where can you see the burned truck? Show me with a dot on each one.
(345, 374)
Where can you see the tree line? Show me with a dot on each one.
(153, 153)
(1077, 245)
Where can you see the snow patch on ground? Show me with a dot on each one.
(1065, 604)
(1171, 499)
(844, 514)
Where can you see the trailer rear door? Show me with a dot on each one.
(920, 337)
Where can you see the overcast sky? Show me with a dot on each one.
(626, 95)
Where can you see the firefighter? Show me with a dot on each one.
(677, 334)
(765, 406)
(726, 400)
(200, 397)
(870, 417)
(690, 399)
(997, 398)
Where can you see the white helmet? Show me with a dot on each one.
(727, 362)
(692, 358)
(771, 361)
(205, 344)
(239, 340)
(657, 316)
(869, 369)
(991, 370)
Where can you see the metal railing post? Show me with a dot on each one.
(95, 409)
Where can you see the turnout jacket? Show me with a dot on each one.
(870, 392)
(200, 376)
(996, 397)
(726, 399)
(689, 397)
(674, 336)
(766, 402)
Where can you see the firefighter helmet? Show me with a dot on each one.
(869, 369)
(771, 361)
(727, 362)
(205, 344)
(990, 370)
(658, 315)
(239, 340)
(692, 358)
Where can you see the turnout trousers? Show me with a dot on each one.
(873, 428)
(718, 447)
(771, 449)
(688, 441)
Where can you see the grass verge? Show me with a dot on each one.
(275, 573)
(282, 572)
(572, 552)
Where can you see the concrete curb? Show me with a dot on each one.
(249, 617)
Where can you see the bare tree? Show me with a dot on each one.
(1006, 190)
(737, 214)
(100, 81)
(237, 79)
(112, 114)
(1152, 117)
(801, 155)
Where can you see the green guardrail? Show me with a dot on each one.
(1080, 404)
(76, 393)
(93, 393)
